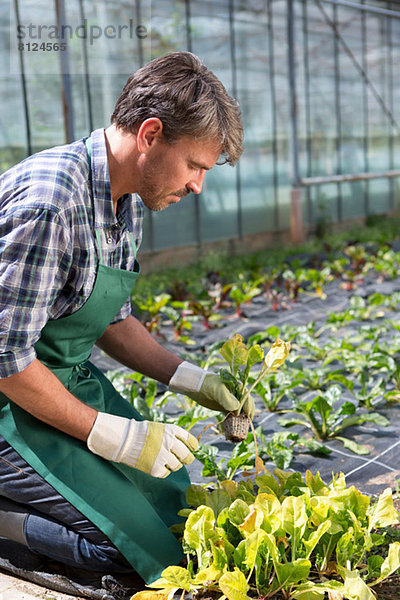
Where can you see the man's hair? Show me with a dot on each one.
(188, 99)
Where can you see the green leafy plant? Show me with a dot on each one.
(273, 387)
(151, 310)
(328, 422)
(177, 313)
(242, 358)
(294, 538)
(243, 291)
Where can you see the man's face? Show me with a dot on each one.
(171, 171)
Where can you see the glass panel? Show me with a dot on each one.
(43, 86)
(175, 226)
(13, 142)
(254, 95)
(278, 14)
(378, 121)
(351, 107)
(211, 41)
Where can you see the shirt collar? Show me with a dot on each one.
(104, 215)
(129, 205)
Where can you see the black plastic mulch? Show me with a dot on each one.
(370, 473)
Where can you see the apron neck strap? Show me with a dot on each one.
(88, 144)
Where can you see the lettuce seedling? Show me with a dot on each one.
(242, 358)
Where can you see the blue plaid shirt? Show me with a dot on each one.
(48, 255)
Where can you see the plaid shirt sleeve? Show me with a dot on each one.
(35, 252)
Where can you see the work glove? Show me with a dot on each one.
(154, 448)
(207, 389)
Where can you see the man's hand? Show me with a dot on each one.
(154, 448)
(207, 389)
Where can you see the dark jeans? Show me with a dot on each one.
(54, 527)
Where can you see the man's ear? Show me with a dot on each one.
(149, 133)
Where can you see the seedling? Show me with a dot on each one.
(151, 310)
(241, 359)
(242, 292)
(328, 423)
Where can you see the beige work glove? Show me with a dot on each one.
(207, 389)
(154, 448)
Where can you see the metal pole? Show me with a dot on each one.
(307, 106)
(389, 24)
(296, 211)
(138, 38)
(24, 89)
(235, 93)
(365, 107)
(197, 197)
(150, 216)
(338, 120)
(365, 8)
(273, 109)
(308, 181)
(66, 93)
(86, 79)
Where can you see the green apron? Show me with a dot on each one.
(133, 509)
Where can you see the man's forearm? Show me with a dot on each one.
(38, 391)
(132, 345)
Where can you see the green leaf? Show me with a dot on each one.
(272, 510)
(353, 446)
(218, 500)
(382, 513)
(377, 419)
(238, 511)
(199, 529)
(290, 573)
(374, 565)
(176, 577)
(252, 545)
(280, 454)
(235, 352)
(256, 354)
(196, 495)
(315, 537)
(316, 591)
(294, 516)
(345, 548)
(234, 585)
(314, 482)
(391, 562)
(355, 587)
(267, 483)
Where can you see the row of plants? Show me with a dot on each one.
(284, 536)
(250, 533)
(209, 298)
(332, 380)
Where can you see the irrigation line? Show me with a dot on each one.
(375, 460)
(366, 461)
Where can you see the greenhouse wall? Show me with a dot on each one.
(318, 82)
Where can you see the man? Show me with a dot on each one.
(84, 479)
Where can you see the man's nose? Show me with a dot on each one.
(196, 183)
